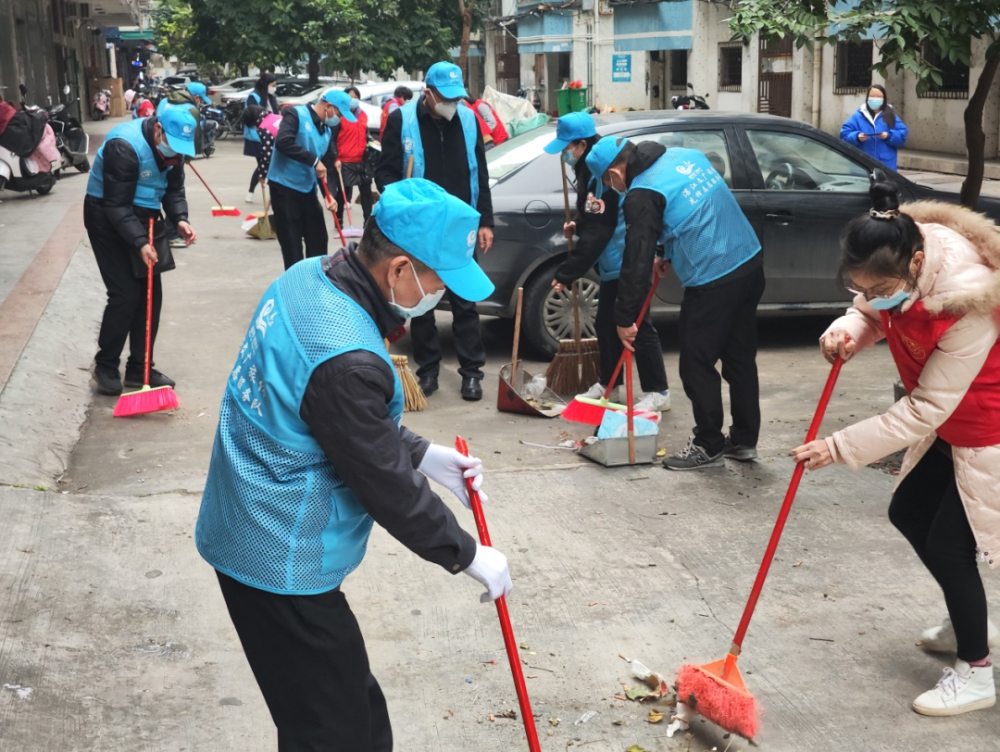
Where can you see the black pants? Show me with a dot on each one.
(354, 176)
(254, 180)
(468, 340)
(648, 353)
(298, 217)
(720, 323)
(308, 656)
(125, 313)
(928, 511)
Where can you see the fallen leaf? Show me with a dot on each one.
(524, 646)
(592, 603)
(636, 748)
(554, 721)
(493, 718)
(620, 722)
(655, 716)
(623, 698)
(797, 564)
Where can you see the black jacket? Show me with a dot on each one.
(346, 409)
(644, 224)
(594, 230)
(288, 131)
(121, 176)
(445, 160)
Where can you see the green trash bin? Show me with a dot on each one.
(563, 95)
(572, 100)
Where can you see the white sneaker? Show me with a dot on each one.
(249, 198)
(961, 690)
(941, 639)
(655, 402)
(597, 391)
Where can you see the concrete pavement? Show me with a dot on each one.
(110, 618)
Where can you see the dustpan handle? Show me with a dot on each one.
(638, 322)
(786, 507)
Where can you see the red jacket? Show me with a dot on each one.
(385, 113)
(912, 337)
(498, 133)
(352, 139)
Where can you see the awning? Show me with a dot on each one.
(545, 32)
(475, 50)
(654, 26)
(137, 36)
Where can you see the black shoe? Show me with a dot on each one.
(739, 452)
(428, 385)
(472, 389)
(134, 379)
(109, 381)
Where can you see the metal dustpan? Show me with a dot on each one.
(510, 400)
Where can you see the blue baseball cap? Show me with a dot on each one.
(180, 128)
(342, 101)
(197, 89)
(447, 79)
(601, 157)
(572, 127)
(438, 229)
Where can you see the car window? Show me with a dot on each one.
(791, 161)
(174, 80)
(512, 154)
(710, 143)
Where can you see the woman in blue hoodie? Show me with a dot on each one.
(876, 129)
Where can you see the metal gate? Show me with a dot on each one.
(508, 61)
(774, 91)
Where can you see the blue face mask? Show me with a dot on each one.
(428, 300)
(875, 104)
(890, 302)
(333, 122)
(568, 158)
(165, 150)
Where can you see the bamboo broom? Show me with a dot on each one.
(413, 395)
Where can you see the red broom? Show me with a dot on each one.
(508, 631)
(326, 192)
(147, 399)
(217, 211)
(716, 690)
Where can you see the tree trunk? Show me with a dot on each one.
(313, 68)
(975, 138)
(465, 11)
(244, 70)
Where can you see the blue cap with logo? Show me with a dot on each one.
(197, 89)
(180, 127)
(438, 229)
(572, 127)
(447, 79)
(601, 157)
(342, 101)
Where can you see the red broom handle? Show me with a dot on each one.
(638, 322)
(217, 202)
(505, 626)
(786, 507)
(149, 306)
(326, 192)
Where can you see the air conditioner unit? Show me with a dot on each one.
(77, 11)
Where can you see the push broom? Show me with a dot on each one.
(147, 399)
(577, 365)
(717, 690)
(505, 626)
(218, 210)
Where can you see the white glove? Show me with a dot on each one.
(451, 468)
(490, 568)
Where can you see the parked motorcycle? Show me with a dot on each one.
(212, 119)
(233, 120)
(690, 101)
(23, 173)
(72, 140)
(101, 105)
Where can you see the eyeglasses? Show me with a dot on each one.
(867, 295)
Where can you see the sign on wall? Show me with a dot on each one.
(621, 69)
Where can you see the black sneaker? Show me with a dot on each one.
(109, 381)
(134, 379)
(692, 457)
(739, 452)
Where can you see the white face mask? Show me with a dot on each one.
(272, 88)
(447, 110)
(427, 303)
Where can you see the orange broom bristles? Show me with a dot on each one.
(726, 702)
(225, 211)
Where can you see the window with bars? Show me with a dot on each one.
(955, 76)
(854, 67)
(678, 69)
(731, 66)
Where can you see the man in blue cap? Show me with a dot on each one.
(436, 138)
(303, 152)
(310, 453)
(139, 168)
(600, 226)
(676, 199)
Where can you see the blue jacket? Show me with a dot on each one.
(413, 145)
(152, 183)
(884, 150)
(290, 172)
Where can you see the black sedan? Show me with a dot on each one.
(797, 185)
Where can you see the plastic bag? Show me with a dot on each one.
(535, 388)
(615, 426)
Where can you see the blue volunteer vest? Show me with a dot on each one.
(250, 134)
(609, 263)
(152, 182)
(275, 514)
(291, 173)
(413, 145)
(705, 233)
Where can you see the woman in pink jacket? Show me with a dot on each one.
(926, 280)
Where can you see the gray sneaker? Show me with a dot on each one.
(692, 457)
(739, 452)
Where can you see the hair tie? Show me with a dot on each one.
(889, 214)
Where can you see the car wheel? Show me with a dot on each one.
(548, 315)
